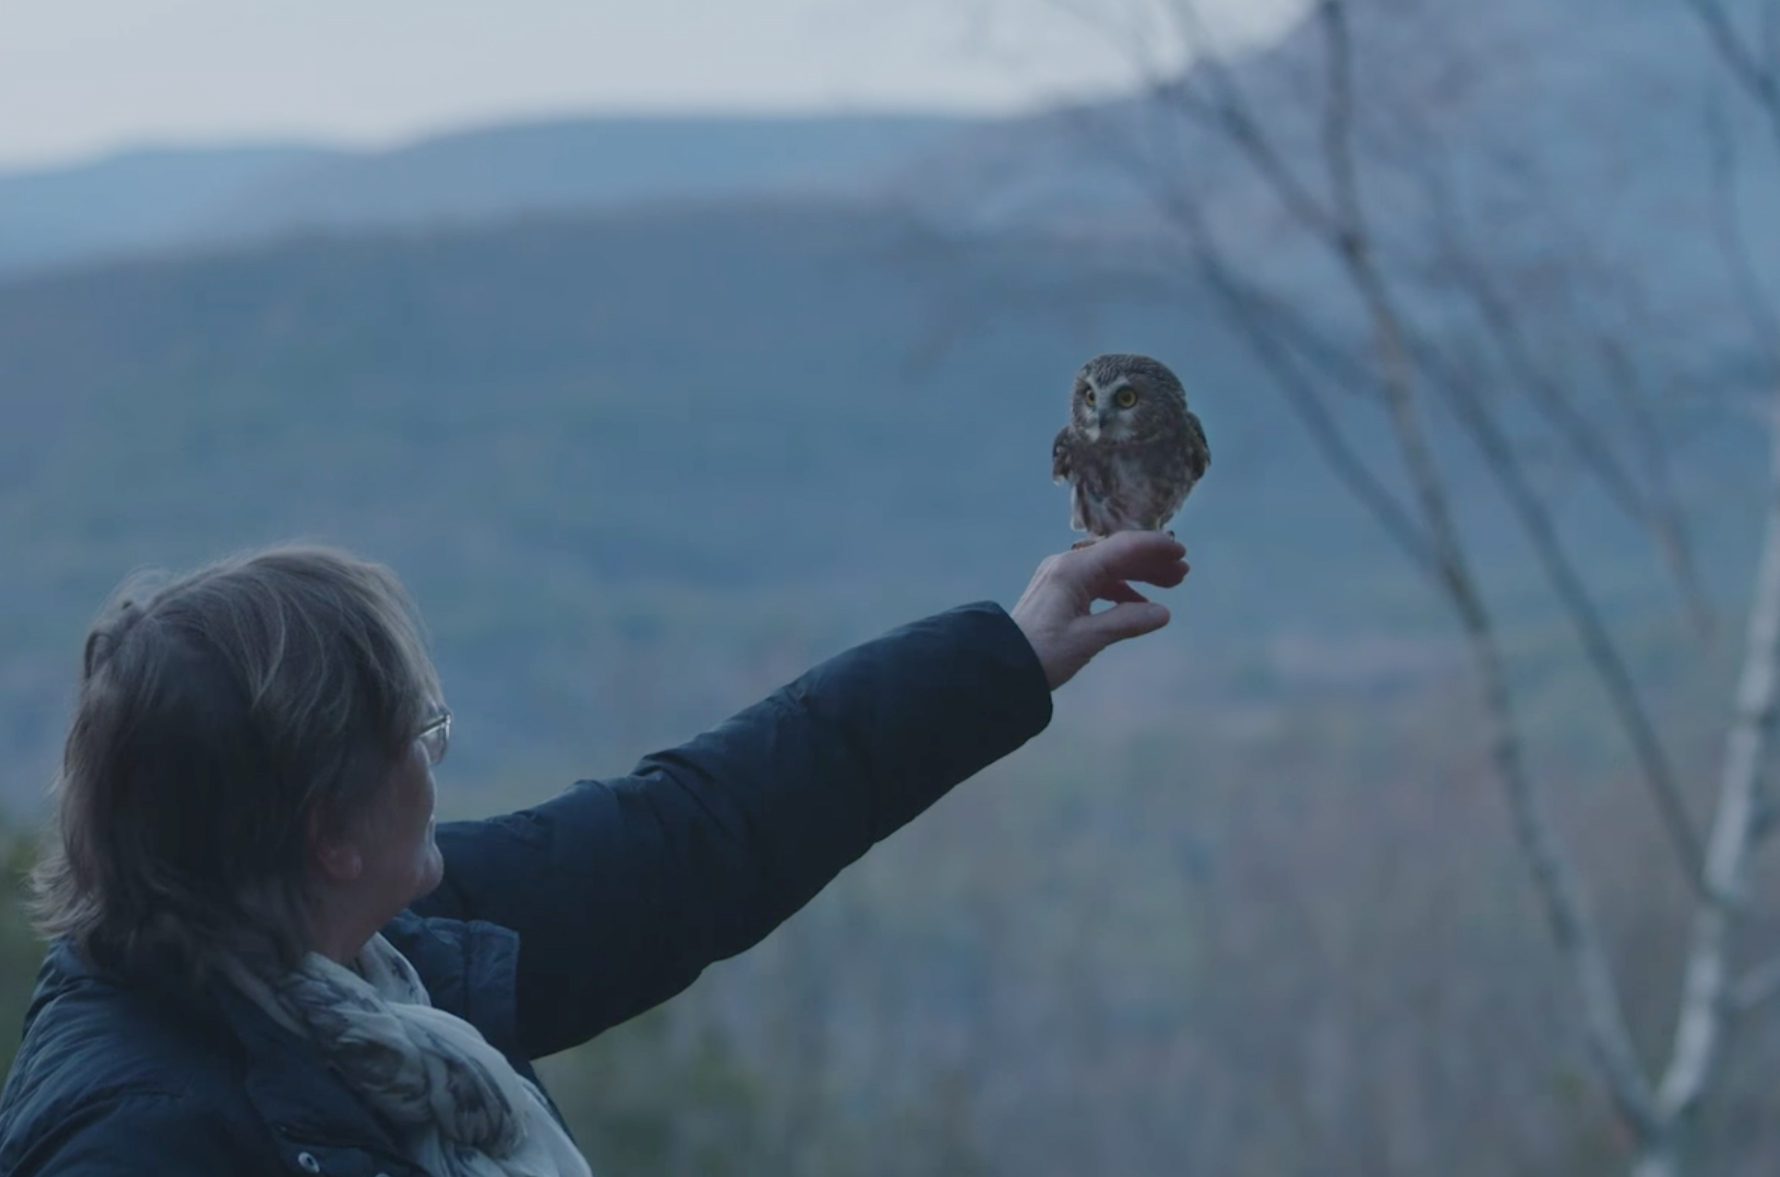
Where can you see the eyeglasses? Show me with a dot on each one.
(435, 737)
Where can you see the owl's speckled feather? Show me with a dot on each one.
(1132, 450)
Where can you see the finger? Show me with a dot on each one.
(1125, 621)
(1134, 548)
(1118, 590)
(1148, 556)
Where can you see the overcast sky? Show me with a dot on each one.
(79, 77)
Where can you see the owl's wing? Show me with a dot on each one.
(1063, 469)
(1198, 452)
(1060, 455)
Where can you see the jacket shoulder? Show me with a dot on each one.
(145, 1132)
(106, 1082)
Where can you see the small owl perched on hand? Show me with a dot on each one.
(1132, 450)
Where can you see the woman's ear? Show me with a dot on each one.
(341, 862)
(337, 855)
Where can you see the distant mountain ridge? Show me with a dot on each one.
(581, 164)
(173, 199)
(1601, 104)
(129, 201)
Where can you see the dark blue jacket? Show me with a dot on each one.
(552, 924)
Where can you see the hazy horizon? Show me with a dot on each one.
(104, 76)
(150, 145)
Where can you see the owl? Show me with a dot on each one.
(1132, 450)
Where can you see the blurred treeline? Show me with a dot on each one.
(1295, 947)
(1249, 907)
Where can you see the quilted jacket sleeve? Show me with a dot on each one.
(622, 891)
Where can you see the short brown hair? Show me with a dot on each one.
(221, 716)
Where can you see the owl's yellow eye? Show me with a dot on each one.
(1126, 398)
(1091, 398)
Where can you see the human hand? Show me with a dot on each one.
(1055, 612)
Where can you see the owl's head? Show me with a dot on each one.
(1125, 397)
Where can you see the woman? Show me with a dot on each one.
(266, 962)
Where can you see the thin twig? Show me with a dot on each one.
(1648, 499)
(1770, 36)
(1231, 112)
(1651, 506)
(1597, 643)
(1654, 446)
(1733, 244)
(1759, 78)
(1325, 432)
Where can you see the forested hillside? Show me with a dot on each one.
(707, 445)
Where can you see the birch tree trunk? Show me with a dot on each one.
(1656, 1162)
(1707, 995)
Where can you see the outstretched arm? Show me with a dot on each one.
(623, 891)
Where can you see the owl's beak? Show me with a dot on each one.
(1102, 415)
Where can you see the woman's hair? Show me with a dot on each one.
(224, 719)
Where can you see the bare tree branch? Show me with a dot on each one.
(1566, 907)
(1598, 645)
(1273, 332)
(1391, 325)
(1338, 129)
(1770, 36)
(1579, 433)
(1245, 311)
(1233, 114)
(1733, 243)
(1654, 445)
(1292, 329)
(1652, 507)
(1343, 227)
(1573, 925)
(1284, 325)
(1406, 368)
(1755, 988)
(1703, 986)
(1767, 819)
(1758, 78)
